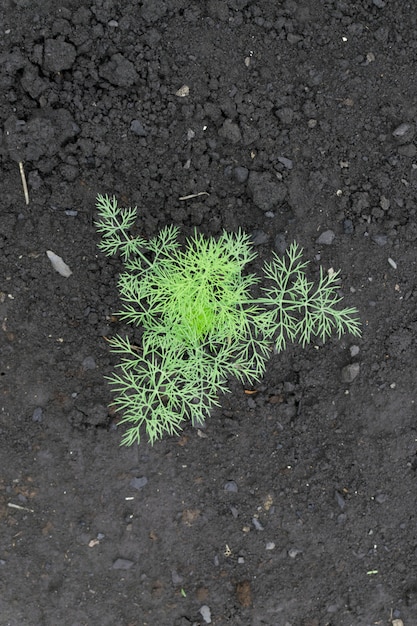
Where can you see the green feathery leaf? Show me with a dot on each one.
(198, 321)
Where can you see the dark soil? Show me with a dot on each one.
(295, 505)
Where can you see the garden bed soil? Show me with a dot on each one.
(294, 120)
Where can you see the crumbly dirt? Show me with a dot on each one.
(296, 504)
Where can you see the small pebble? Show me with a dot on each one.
(58, 264)
(183, 91)
(392, 263)
(350, 372)
(122, 564)
(293, 552)
(205, 613)
(176, 578)
(381, 498)
(286, 162)
(257, 523)
(234, 511)
(354, 350)
(404, 133)
(138, 483)
(380, 240)
(231, 486)
(270, 545)
(138, 128)
(340, 500)
(326, 238)
(37, 414)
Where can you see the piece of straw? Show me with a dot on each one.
(24, 183)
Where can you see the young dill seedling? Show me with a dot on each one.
(198, 321)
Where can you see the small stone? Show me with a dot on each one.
(138, 128)
(37, 414)
(138, 483)
(380, 240)
(340, 499)
(381, 498)
(234, 511)
(231, 486)
(270, 545)
(326, 238)
(286, 162)
(183, 91)
(122, 564)
(257, 523)
(205, 613)
(354, 350)
(293, 552)
(404, 133)
(350, 372)
(176, 578)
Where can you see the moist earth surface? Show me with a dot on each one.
(295, 504)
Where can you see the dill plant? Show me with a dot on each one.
(198, 322)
